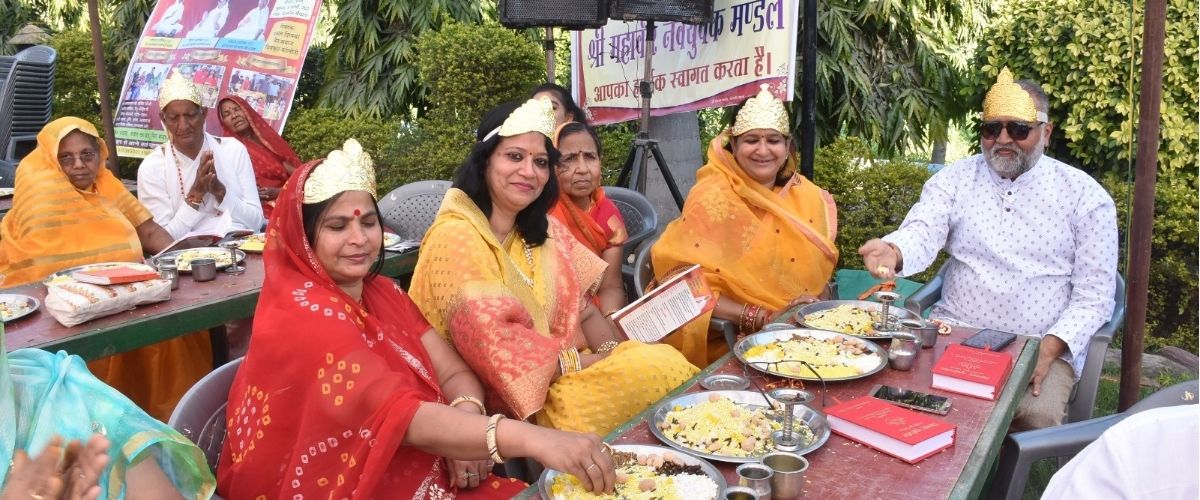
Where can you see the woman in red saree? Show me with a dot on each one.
(583, 208)
(344, 390)
(272, 157)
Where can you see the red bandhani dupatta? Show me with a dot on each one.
(321, 404)
(267, 154)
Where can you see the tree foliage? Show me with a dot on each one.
(371, 63)
(888, 71)
(76, 92)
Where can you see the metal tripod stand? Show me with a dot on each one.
(643, 146)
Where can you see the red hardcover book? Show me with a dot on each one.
(899, 432)
(974, 372)
(114, 275)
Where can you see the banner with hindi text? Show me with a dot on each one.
(252, 48)
(721, 63)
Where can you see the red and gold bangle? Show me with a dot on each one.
(469, 399)
(492, 446)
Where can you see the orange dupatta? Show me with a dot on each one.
(53, 226)
(599, 228)
(757, 245)
(35, 239)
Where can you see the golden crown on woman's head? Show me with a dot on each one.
(178, 88)
(535, 115)
(1009, 99)
(346, 169)
(762, 111)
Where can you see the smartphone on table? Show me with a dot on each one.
(911, 399)
(992, 340)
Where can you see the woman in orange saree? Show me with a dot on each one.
(763, 234)
(345, 391)
(506, 284)
(68, 210)
(583, 208)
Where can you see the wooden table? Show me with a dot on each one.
(845, 469)
(194, 306)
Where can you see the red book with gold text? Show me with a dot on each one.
(974, 372)
(899, 432)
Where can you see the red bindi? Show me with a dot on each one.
(357, 212)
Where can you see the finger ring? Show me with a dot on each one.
(588, 468)
(36, 496)
(462, 475)
(472, 473)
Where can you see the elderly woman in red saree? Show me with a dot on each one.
(272, 157)
(507, 285)
(346, 392)
(583, 209)
(763, 234)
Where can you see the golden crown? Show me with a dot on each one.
(178, 88)
(762, 111)
(1008, 99)
(346, 169)
(536, 115)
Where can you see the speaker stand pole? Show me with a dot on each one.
(548, 45)
(643, 145)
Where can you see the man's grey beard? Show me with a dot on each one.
(1013, 166)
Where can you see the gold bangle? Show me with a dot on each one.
(493, 448)
(568, 361)
(469, 399)
(607, 347)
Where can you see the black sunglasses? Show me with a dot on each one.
(1018, 131)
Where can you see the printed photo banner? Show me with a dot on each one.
(251, 48)
(717, 64)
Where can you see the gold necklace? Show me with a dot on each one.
(528, 258)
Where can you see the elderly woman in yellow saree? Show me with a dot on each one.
(763, 234)
(68, 210)
(507, 286)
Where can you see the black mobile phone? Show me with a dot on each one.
(992, 340)
(915, 400)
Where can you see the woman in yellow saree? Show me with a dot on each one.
(506, 285)
(763, 234)
(68, 210)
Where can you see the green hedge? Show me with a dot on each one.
(314, 132)
(1080, 51)
(872, 196)
(469, 69)
(1171, 314)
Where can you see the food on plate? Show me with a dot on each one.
(835, 356)
(12, 308)
(253, 243)
(185, 258)
(64, 276)
(854, 320)
(722, 427)
(644, 476)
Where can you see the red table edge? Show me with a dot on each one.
(982, 455)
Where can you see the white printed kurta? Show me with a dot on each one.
(1034, 256)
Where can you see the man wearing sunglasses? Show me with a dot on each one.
(1032, 245)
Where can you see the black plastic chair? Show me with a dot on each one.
(645, 274)
(1022, 449)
